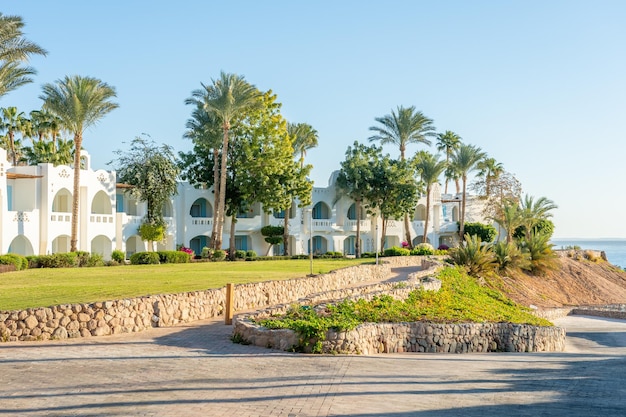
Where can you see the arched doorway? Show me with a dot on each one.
(21, 246)
(103, 246)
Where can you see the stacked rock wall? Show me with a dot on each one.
(138, 314)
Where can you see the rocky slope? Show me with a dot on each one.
(583, 278)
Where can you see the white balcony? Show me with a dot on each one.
(350, 225)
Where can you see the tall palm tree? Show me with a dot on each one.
(79, 102)
(14, 50)
(533, 211)
(489, 169)
(303, 137)
(464, 160)
(12, 121)
(447, 142)
(203, 128)
(226, 98)
(429, 168)
(402, 128)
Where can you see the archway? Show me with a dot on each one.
(134, 244)
(21, 246)
(102, 245)
(320, 245)
(321, 211)
(420, 212)
(101, 204)
(198, 243)
(352, 213)
(62, 202)
(61, 244)
(201, 208)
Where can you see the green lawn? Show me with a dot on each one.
(47, 287)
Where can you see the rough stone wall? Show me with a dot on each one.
(430, 337)
(138, 314)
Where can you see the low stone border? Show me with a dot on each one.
(372, 338)
(141, 313)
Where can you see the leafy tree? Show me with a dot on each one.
(79, 102)
(448, 142)
(45, 125)
(152, 171)
(485, 232)
(509, 217)
(429, 168)
(273, 236)
(226, 98)
(464, 160)
(502, 190)
(355, 180)
(543, 226)
(394, 191)
(15, 50)
(401, 128)
(12, 122)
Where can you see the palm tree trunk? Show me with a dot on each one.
(407, 231)
(383, 235)
(357, 244)
(424, 237)
(286, 232)
(222, 197)
(78, 140)
(12, 145)
(216, 197)
(462, 222)
(231, 240)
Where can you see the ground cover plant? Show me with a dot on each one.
(461, 299)
(49, 286)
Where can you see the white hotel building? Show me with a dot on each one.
(36, 203)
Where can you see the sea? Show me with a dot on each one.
(615, 249)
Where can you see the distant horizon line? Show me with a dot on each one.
(588, 238)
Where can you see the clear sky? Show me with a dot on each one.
(539, 85)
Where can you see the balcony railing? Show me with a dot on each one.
(351, 225)
(61, 217)
(101, 218)
(202, 221)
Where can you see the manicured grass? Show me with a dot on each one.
(47, 287)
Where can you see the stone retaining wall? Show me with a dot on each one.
(141, 313)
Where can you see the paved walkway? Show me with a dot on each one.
(195, 370)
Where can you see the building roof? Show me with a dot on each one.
(15, 176)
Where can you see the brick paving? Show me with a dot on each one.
(195, 370)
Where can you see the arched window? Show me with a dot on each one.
(201, 208)
(352, 213)
(320, 245)
(62, 202)
(321, 211)
(420, 212)
(101, 204)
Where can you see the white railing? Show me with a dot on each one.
(321, 223)
(101, 218)
(351, 224)
(201, 221)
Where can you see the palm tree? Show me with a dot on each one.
(464, 160)
(401, 128)
(532, 212)
(11, 122)
(429, 168)
(14, 50)
(226, 98)
(204, 128)
(509, 218)
(303, 138)
(79, 102)
(489, 169)
(448, 142)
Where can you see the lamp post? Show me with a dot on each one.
(376, 244)
(311, 242)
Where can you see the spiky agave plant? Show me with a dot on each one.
(539, 248)
(510, 257)
(477, 258)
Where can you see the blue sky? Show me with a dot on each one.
(539, 85)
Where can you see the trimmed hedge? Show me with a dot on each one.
(174, 257)
(20, 262)
(397, 251)
(144, 258)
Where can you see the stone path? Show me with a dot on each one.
(195, 370)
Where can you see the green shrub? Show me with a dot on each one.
(82, 258)
(95, 259)
(485, 232)
(240, 254)
(251, 254)
(58, 260)
(144, 258)
(510, 258)
(219, 255)
(33, 261)
(423, 249)
(542, 257)
(174, 257)
(206, 253)
(118, 256)
(20, 262)
(476, 258)
(397, 251)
